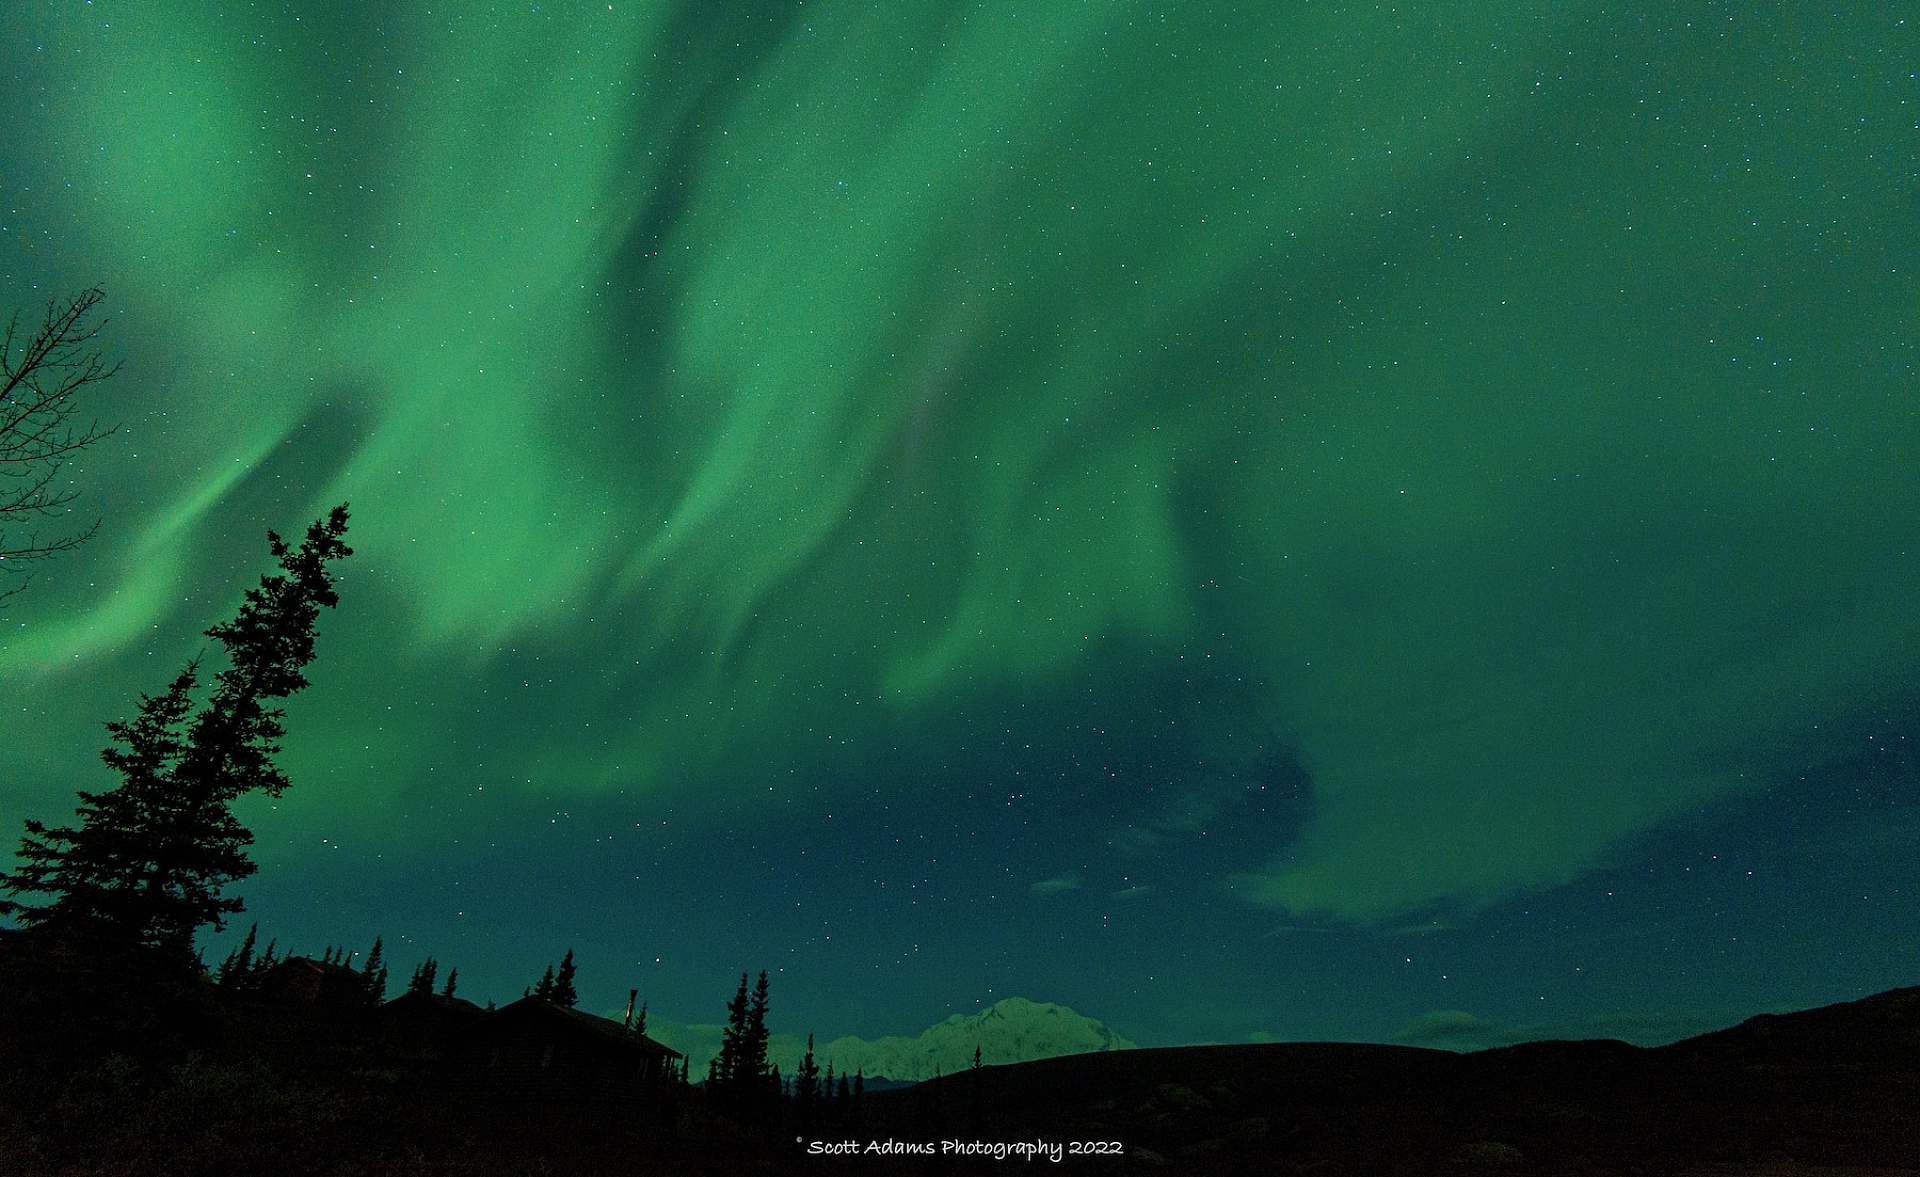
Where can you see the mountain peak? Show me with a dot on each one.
(1011, 1030)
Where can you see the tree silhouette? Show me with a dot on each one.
(149, 860)
(543, 988)
(806, 1085)
(753, 1058)
(563, 991)
(42, 381)
(239, 963)
(373, 974)
(727, 1067)
(453, 978)
(423, 977)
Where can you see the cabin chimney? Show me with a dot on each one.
(631, 994)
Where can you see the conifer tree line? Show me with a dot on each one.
(244, 971)
(742, 1068)
(822, 1100)
(744, 1081)
(556, 985)
(426, 973)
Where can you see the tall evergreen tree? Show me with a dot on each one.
(563, 990)
(373, 974)
(806, 1085)
(423, 977)
(239, 963)
(753, 1054)
(543, 988)
(640, 1020)
(728, 1068)
(453, 978)
(90, 870)
(149, 861)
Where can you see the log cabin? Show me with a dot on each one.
(537, 1050)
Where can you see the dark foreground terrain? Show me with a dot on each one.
(1833, 1092)
(1828, 1091)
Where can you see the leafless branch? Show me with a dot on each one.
(42, 381)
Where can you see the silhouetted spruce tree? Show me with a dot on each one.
(92, 870)
(423, 977)
(640, 1020)
(453, 978)
(373, 974)
(858, 1108)
(728, 1068)
(239, 963)
(543, 988)
(753, 1057)
(806, 1086)
(843, 1098)
(147, 865)
(563, 990)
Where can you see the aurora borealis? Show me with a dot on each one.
(1245, 520)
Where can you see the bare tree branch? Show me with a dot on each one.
(42, 382)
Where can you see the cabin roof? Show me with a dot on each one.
(439, 1001)
(573, 1021)
(306, 964)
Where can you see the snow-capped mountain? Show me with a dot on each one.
(1008, 1031)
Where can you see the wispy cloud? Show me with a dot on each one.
(1057, 884)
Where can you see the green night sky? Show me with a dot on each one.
(1252, 520)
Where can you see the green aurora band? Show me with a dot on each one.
(1508, 407)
